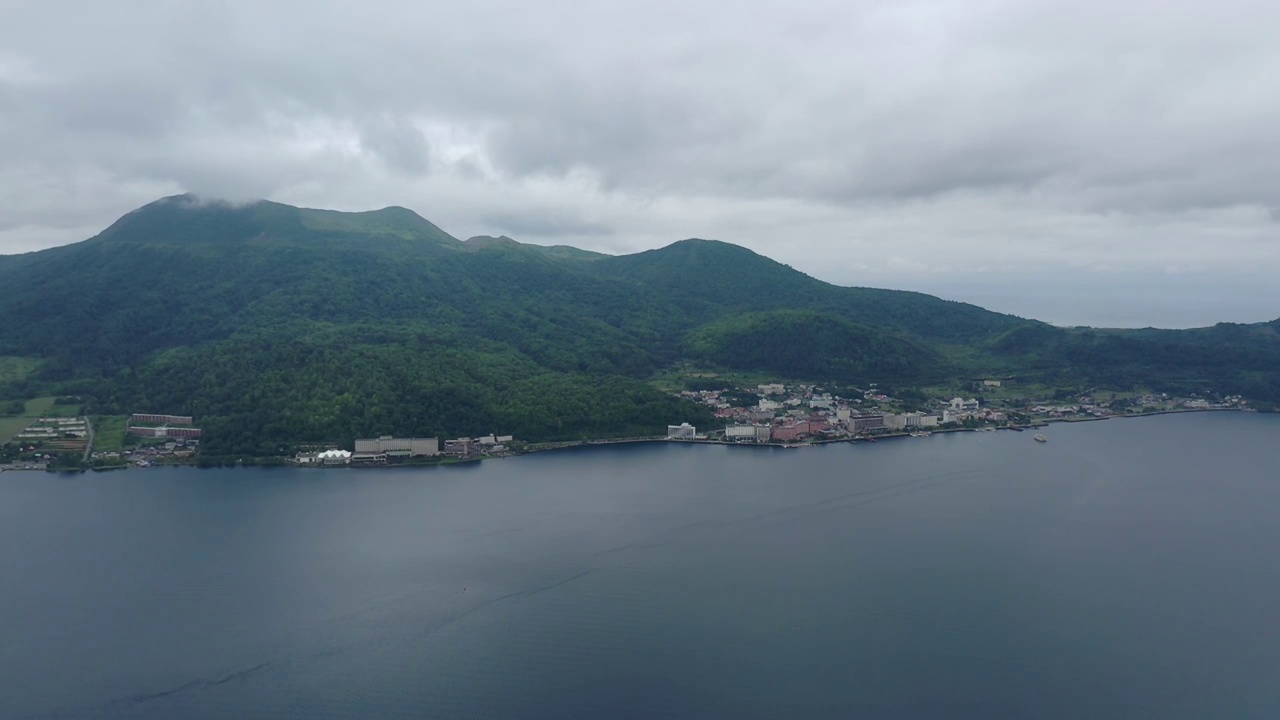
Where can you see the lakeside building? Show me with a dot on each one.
(904, 421)
(960, 405)
(458, 447)
(326, 457)
(156, 425)
(155, 419)
(865, 422)
(790, 433)
(683, 431)
(747, 433)
(165, 431)
(335, 457)
(818, 424)
(919, 419)
(399, 447)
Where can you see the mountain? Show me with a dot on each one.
(277, 324)
(486, 242)
(713, 277)
(187, 220)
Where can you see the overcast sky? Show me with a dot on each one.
(1094, 162)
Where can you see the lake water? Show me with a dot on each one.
(1123, 569)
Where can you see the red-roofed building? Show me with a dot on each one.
(789, 433)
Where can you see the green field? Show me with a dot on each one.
(45, 407)
(10, 426)
(35, 408)
(16, 368)
(108, 432)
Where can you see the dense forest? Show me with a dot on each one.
(276, 325)
(810, 344)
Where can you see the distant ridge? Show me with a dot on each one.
(486, 242)
(275, 324)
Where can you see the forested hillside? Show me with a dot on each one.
(810, 344)
(276, 324)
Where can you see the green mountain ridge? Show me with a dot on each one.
(188, 219)
(487, 242)
(277, 324)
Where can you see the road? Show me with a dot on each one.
(88, 446)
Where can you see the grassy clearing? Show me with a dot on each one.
(10, 426)
(45, 407)
(16, 368)
(108, 432)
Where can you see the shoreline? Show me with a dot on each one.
(1045, 422)
(573, 444)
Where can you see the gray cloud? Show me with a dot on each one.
(856, 141)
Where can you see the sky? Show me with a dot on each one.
(1081, 162)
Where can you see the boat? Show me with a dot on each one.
(1041, 438)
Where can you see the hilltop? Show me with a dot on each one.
(279, 324)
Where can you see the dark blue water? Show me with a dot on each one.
(1124, 569)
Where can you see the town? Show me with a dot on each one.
(775, 413)
(789, 415)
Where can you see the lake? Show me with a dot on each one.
(1125, 568)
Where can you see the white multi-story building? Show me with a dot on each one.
(772, 389)
(742, 433)
(683, 431)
